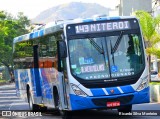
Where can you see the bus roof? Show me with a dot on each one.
(54, 27)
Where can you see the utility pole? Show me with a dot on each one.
(156, 4)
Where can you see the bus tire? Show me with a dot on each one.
(43, 109)
(125, 109)
(66, 114)
(32, 107)
(63, 113)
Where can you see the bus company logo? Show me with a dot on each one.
(6, 113)
(112, 91)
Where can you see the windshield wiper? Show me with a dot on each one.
(112, 52)
(96, 46)
(114, 49)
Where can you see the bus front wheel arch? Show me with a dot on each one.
(64, 113)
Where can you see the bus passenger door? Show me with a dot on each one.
(63, 79)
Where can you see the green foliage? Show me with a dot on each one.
(2, 81)
(10, 28)
(149, 25)
(154, 83)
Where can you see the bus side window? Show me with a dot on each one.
(52, 49)
(55, 61)
(48, 52)
(23, 55)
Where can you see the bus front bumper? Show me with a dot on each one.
(81, 103)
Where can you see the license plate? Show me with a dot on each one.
(113, 104)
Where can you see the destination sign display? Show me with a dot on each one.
(102, 27)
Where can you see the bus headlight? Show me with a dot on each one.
(144, 84)
(78, 91)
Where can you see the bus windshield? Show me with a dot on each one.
(94, 58)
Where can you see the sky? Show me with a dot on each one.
(31, 8)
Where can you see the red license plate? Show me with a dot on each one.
(113, 104)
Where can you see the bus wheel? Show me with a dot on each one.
(125, 109)
(63, 113)
(66, 114)
(32, 107)
(42, 108)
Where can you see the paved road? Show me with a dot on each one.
(9, 101)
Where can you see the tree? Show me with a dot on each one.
(149, 25)
(10, 28)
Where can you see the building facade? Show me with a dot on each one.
(127, 7)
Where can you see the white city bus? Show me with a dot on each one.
(83, 64)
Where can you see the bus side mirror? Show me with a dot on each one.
(62, 49)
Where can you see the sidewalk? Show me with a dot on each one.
(4, 83)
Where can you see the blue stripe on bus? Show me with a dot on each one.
(124, 89)
(36, 81)
(87, 20)
(31, 35)
(16, 80)
(101, 18)
(97, 92)
(112, 18)
(20, 38)
(107, 18)
(35, 34)
(45, 84)
(48, 93)
(127, 89)
(41, 32)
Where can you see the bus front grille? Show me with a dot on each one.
(103, 101)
